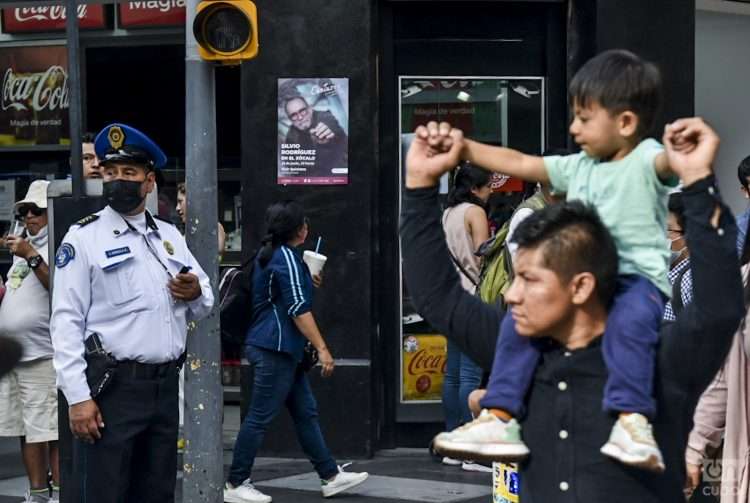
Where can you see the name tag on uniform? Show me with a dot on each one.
(117, 252)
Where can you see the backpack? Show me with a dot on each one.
(496, 273)
(236, 302)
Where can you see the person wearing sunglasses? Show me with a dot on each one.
(318, 131)
(28, 396)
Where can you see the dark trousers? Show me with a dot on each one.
(279, 381)
(136, 459)
(629, 349)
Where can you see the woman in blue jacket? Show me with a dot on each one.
(282, 324)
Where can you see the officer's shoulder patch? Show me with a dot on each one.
(87, 220)
(65, 254)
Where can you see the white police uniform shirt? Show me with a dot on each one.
(107, 281)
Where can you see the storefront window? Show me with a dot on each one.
(507, 111)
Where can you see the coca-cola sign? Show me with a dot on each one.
(35, 96)
(50, 18)
(38, 91)
(143, 13)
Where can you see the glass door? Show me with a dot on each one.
(506, 111)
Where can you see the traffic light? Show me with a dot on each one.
(226, 30)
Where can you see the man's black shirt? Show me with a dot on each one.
(565, 425)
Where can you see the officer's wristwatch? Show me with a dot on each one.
(35, 261)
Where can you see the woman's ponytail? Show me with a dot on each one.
(283, 221)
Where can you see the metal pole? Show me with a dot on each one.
(74, 90)
(203, 474)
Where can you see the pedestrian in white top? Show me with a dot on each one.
(28, 397)
(129, 280)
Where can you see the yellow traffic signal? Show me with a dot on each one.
(226, 30)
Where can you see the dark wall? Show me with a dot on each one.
(321, 39)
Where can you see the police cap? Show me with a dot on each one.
(123, 143)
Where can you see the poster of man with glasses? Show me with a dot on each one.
(313, 131)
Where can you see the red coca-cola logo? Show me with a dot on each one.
(52, 18)
(54, 13)
(424, 363)
(38, 91)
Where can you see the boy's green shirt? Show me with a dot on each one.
(631, 201)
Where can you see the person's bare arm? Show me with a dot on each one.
(476, 222)
(505, 161)
(661, 165)
(22, 248)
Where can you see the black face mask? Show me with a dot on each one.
(123, 195)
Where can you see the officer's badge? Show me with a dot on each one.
(116, 137)
(169, 247)
(65, 255)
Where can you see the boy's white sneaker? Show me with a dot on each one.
(471, 466)
(341, 482)
(244, 493)
(486, 438)
(632, 443)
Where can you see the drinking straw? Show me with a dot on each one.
(317, 246)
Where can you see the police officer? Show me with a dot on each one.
(128, 279)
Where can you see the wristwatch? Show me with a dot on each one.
(35, 261)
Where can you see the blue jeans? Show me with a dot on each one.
(629, 349)
(462, 376)
(279, 381)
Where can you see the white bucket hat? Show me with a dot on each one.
(37, 194)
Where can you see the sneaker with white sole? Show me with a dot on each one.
(341, 482)
(451, 462)
(632, 443)
(244, 493)
(487, 438)
(37, 496)
(471, 466)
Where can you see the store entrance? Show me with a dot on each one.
(501, 78)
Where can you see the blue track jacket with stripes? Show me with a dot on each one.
(282, 291)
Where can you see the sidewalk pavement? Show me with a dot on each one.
(398, 475)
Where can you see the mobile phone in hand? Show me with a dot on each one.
(185, 269)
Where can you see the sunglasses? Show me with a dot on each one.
(26, 208)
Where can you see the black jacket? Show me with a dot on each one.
(565, 425)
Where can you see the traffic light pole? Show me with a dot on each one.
(203, 474)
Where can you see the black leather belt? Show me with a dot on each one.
(138, 370)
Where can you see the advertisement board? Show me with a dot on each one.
(148, 13)
(313, 131)
(50, 18)
(424, 360)
(35, 96)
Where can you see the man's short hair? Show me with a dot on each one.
(619, 80)
(573, 240)
(676, 205)
(88, 138)
(743, 171)
(181, 188)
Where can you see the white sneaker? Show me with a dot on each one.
(37, 497)
(245, 493)
(341, 482)
(632, 443)
(486, 438)
(451, 462)
(471, 466)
